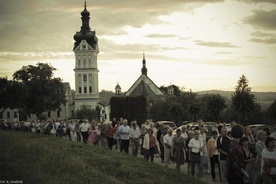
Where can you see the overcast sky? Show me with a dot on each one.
(196, 44)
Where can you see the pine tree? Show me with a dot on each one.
(243, 101)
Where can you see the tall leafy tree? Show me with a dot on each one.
(188, 100)
(88, 113)
(244, 101)
(212, 106)
(131, 108)
(11, 93)
(272, 110)
(43, 91)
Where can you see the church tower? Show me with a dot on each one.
(86, 68)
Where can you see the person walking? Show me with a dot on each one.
(124, 135)
(84, 128)
(134, 136)
(249, 160)
(235, 164)
(269, 161)
(167, 141)
(190, 136)
(259, 147)
(223, 142)
(149, 144)
(178, 144)
(195, 147)
(213, 155)
(109, 132)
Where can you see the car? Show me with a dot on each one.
(256, 127)
(170, 123)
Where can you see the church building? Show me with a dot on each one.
(145, 86)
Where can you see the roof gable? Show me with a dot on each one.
(144, 86)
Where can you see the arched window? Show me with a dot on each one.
(79, 61)
(89, 61)
(84, 78)
(79, 79)
(84, 61)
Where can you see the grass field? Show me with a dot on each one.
(36, 159)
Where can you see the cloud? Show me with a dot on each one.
(262, 19)
(161, 36)
(224, 52)
(38, 56)
(214, 44)
(270, 40)
(258, 1)
(262, 34)
(38, 26)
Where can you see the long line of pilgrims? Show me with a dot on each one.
(183, 146)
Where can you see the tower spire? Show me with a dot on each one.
(85, 4)
(144, 69)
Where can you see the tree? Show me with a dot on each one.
(11, 93)
(176, 90)
(272, 110)
(212, 106)
(194, 111)
(43, 91)
(131, 108)
(87, 113)
(157, 111)
(188, 100)
(243, 101)
(3, 95)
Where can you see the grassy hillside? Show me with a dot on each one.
(34, 158)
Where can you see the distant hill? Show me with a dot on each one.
(263, 98)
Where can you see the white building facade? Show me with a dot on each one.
(86, 67)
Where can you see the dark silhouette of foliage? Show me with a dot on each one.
(87, 113)
(243, 101)
(43, 91)
(130, 108)
(11, 95)
(212, 106)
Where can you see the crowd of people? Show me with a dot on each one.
(236, 154)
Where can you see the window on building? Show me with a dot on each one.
(58, 114)
(89, 61)
(79, 61)
(79, 79)
(8, 115)
(84, 62)
(15, 114)
(84, 89)
(79, 89)
(49, 114)
(90, 79)
(85, 78)
(90, 89)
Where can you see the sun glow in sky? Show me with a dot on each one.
(196, 44)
